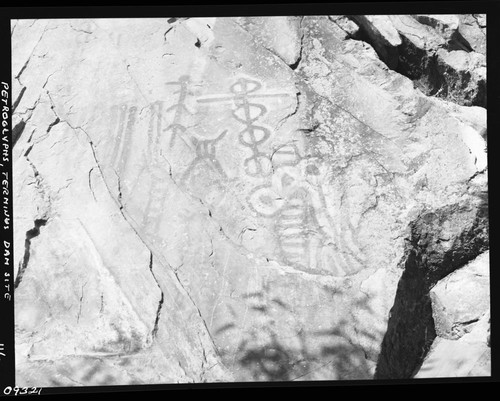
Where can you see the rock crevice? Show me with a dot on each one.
(428, 259)
(432, 52)
(30, 234)
(160, 303)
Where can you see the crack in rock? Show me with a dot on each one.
(30, 234)
(81, 302)
(140, 237)
(160, 303)
(294, 66)
(23, 68)
(416, 256)
(90, 183)
(17, 132)
(292, 113)
(18, 99)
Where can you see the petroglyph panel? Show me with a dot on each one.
(294, 203)
(289, 197)
(247, 100)
(231, 199)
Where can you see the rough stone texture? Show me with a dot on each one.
(472, 28)
(447, 25)
(464, 76)
(460, 299)
(441, 241)
(385, 38)
(443, 54)
(279, 35)
(461, 313)
(350, 28)
(468, 356)
(226, 199)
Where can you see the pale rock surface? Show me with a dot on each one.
(469, 355)
(385, 37)
(350, 28)
(220, 199)
(460, 299)
(461, 313)
(280, 35)
(473, 29)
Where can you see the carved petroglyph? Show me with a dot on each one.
(247, 111)
(180, 109)
(205, 161)
(265, 200)
(156, 168)
(205, 150)
(286, 155)
(306, 235)
(153, 168)
(291, 227)
(84, 30)
(155, 126)
(124, 118)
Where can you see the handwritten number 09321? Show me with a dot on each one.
(21, 390)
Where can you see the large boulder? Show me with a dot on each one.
(461, 313)
(461, 299)
(470, 355)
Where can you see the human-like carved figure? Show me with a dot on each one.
(180, 108)
(205, 157)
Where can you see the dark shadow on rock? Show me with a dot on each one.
(262, 352)
(272, 359)
(271, 362)
(441, 241)
(349, 359)
(429, 73)
(266, 353)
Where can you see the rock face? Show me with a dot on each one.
(461, 299)
(236, 199)
(445, 55)
(461, 312)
